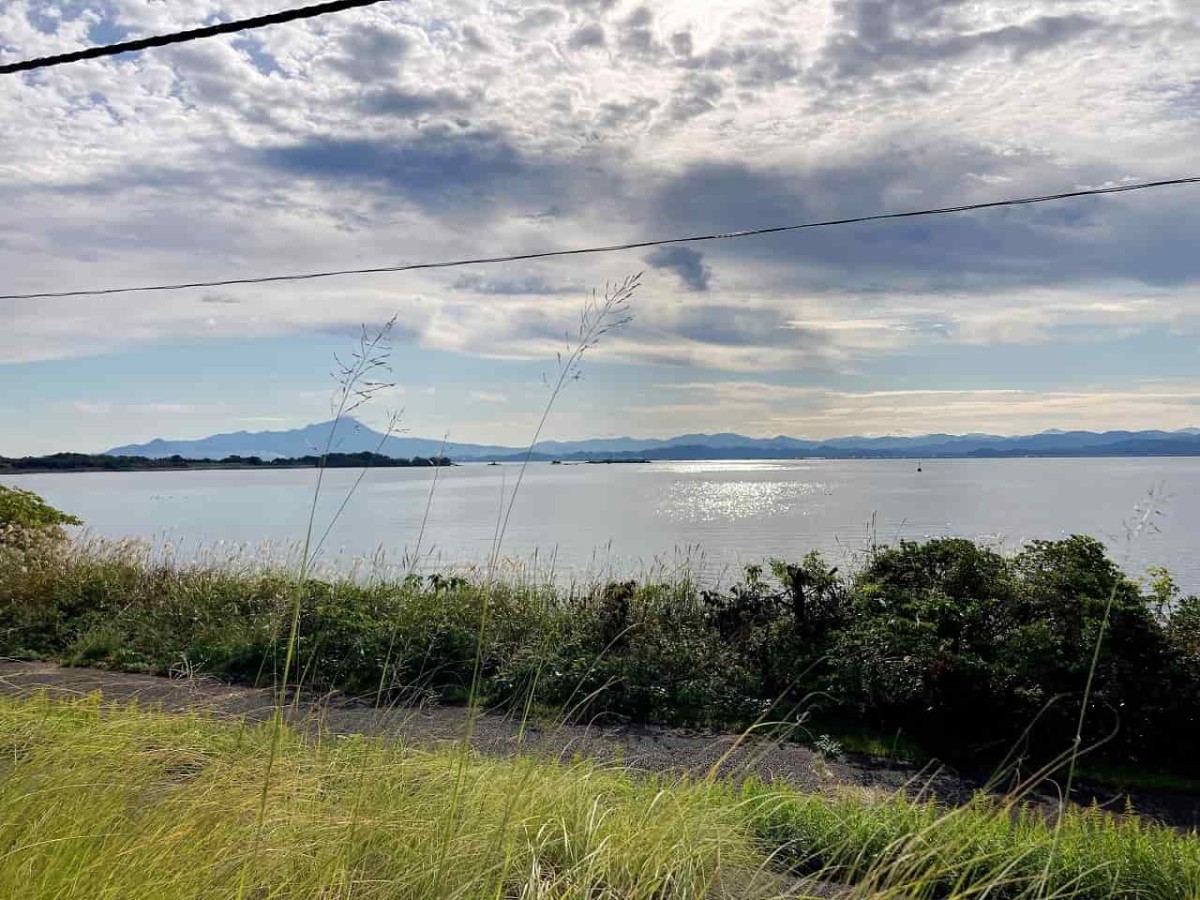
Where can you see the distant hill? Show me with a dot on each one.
(354, 437)
(351, 437)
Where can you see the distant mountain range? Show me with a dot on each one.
(354, 437)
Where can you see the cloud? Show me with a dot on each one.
(695, 97)
(738, 326)
(1083, 242)
(878, 36)
(475, 39)
(685, 262)
(528, 285)
(615, 115)
(489, 397)
(539, 18)
(407, 133)
(754, 65)
(636, 34)
(370, 54)
(587, 36)
(434, 168)
(108, 408)
(766, 409)
(393, 101)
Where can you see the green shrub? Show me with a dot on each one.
(28, 522)
(965, 651)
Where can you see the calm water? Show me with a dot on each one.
(625, 518)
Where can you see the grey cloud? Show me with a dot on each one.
(889, 35)
(759, 66)
(687, 334)
(548, 214)
(1040, 34)
(156, 178)
(402, 332)
(872, 19)
(727, 325)
(641, 17)
(752, 65)
(370, 53)
(528, 285)
(620, 115)
(685, 262)
(590, 35)
(450, 170)
(1073, 243)
(542, 17)
(528, 324)
(637, 36)
(878, 20)
(681, 43)
(725, 197)
(220, 299)
(475, 39)
(436, 167)
(411, 104)
(696, 96)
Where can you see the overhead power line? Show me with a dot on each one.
(180, 37)
(609, 248)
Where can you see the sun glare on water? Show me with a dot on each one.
(713, 501)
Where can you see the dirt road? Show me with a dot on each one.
(647, 748)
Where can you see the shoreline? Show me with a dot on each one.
(207, 468)
(398, 464)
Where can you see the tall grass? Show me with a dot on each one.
(896, 847)
(114, 802)
(121, 803)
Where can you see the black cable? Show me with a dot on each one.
(179, 37)
(610, 248)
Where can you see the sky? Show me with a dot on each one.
(441, 129)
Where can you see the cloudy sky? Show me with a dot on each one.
(436, 129)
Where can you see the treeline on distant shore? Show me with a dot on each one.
(102, 462)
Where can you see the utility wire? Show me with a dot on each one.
(180, 37)
(610, 248)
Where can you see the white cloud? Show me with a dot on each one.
(764, 409)
(428, 130)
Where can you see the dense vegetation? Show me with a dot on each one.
(28, 524)
(967, 652)
(21, 509)
(102, 462)
(119, 802)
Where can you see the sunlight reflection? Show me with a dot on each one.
(686, 501)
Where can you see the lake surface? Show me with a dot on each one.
(622, 519)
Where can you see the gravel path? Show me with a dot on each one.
(643, 747)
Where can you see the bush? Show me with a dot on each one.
(967, 650)
(26, 520)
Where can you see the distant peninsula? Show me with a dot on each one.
(103, 462)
